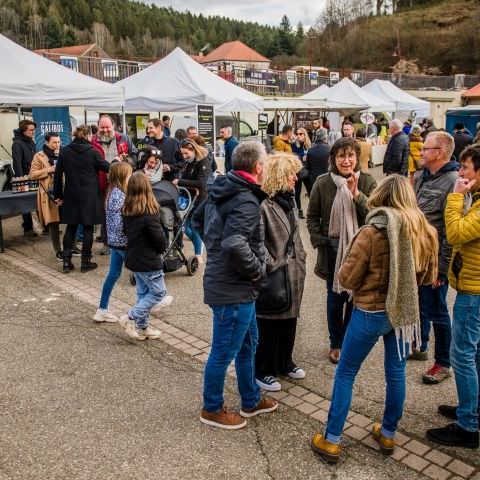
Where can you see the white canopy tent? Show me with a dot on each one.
(293, 103)
(32, 80)
(317, 94)
(348, 97)
(404, 102)
(177, 83)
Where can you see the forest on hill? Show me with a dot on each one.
(421, 36)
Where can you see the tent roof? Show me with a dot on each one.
(404, 102)
(30, 79)
(293, 103)
(177, 83)
(473, 92)
(346, 96)
(320, 93)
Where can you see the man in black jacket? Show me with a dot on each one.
(318, 157)
(462, 140)
(230, 224)
(23, 150)
(173, 163)
(396, 156)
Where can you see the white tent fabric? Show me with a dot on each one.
(32, 80)
(404, 102)
(177, 83)
(293, 103)
(320, 93)
(349, 97)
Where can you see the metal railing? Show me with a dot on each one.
(270, 82)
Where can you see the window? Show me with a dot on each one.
(110, 69)
(69, 62)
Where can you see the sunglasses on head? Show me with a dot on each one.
(185, 141)
(154, 152)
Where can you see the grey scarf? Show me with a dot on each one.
(343, 222)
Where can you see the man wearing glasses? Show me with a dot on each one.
(23, 150)
(432, 186)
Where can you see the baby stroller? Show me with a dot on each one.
(176, 209)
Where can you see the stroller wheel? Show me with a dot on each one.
(132, 279)
(192, 265)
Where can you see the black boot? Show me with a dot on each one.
(87, 265)
(449, 411)
(67, 264)
(453, 436)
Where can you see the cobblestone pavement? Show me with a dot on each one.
(69, 440)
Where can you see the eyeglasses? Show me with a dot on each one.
(431, 148)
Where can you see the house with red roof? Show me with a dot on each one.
(234, 54)
(473, 95)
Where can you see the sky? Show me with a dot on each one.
(261, 11)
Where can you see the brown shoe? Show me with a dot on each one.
(328, 450)
(387, 445)
(265, 405)
(334, 355)
(223, 419)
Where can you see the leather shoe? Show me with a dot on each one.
(328, 450)
(334, 355)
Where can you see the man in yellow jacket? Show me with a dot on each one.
(283, 143)
(462, 220)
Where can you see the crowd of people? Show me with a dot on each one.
(387, 252)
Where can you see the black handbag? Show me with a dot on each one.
(275, 295)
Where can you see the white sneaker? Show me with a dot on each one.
(269, 383)
(164, 302)
(103, 315)
(151, 332)
(297, 373)
(124, 320)
(133, 332)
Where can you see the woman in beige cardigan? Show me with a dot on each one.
(277, 331)
(42, 169)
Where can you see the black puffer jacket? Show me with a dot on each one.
(318, 160)
(396, 156)
(145, 243)
(195, 176)
(23, 150)
(230, 224)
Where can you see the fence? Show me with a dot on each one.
(271, 82)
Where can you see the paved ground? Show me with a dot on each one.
(79, 400)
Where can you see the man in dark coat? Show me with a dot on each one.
(23, 150)
(396, 156)
(462, 139)
(229, 222)
(318, 157)
(80, 198)
(230, 143)
(173, 163)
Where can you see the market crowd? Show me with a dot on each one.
(388, 252)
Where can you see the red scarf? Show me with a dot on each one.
(247, 176)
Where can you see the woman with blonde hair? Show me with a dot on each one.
(277, 320)
(385, 262)
(145, 244)
(300, 147)
(116, 239)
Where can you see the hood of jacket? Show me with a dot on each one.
(228, 186)
(451, 166)
(18, 135)
(80, 146)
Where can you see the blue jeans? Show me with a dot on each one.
(235, 336)
(193, 235)
(339, 311)
(465, 356)
(150, 290)
(117, 258)
(434, 309)
(364, 330)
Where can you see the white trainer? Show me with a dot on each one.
(133, 332)
(151, 332)
(164, 302)
(103, 315)
(297, 373)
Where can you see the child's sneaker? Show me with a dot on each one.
(164, 302)
(124, 320)
(134, 332)
(150, 332)
(103, 315)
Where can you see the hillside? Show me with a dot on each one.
(135, 30)
(441, 37)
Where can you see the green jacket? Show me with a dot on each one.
(318, 218)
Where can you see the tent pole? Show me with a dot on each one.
(19, 112)
(85, 116)
(124, 120)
